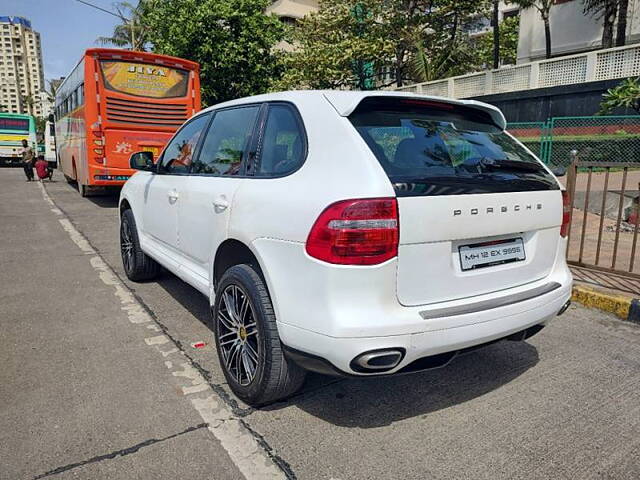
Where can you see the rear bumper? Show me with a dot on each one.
(335, 314)
(100, 176)
(339, 352)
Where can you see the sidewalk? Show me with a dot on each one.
(81, 395)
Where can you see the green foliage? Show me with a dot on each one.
(596, 149)
(625, 95)
(51, 91)
(41, 123)
(232, 40)
(29, 101)
(132, 32)
(327, 42)
(411, 40)
(508, 44)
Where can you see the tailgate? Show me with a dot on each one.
(433, 230)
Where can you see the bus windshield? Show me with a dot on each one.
(144, 80)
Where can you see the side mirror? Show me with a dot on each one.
(142, 161)
(559, 171)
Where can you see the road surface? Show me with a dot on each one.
(101, 381)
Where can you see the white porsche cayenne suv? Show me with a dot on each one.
(351, 233)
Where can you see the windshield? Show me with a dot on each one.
(144, 80)
(432, 148)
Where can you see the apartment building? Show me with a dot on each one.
(21, 71)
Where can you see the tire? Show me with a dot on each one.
(138, 266)
(255, 343)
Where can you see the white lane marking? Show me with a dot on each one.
(77, 238)
(157, 340)
(47, 199)
(168, 352)
(230, 431)
(241, 446)
(198, 383)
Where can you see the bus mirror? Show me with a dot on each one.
(142, 161)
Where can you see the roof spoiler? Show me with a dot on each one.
(346, 102)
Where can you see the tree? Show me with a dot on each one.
(233, 40)
(621, 31)
(496, 34)
(52, 90)
(406, 40)
(544, 9)
(29, 102)
(331, 43)
(508, 39)
(606, 10)
(624, 95)
(132, 32)
(41, 124)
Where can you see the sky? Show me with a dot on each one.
(66, 27)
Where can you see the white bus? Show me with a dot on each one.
(50, 144)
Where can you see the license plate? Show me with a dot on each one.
(153, 150)
(481, 255)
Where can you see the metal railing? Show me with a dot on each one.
(607, 139)
(605, 216)
(606, 64)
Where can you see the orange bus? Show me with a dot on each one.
(114, 103)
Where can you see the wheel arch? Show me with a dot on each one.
(124, 205)
(234, 252)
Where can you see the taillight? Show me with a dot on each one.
(356, 232)
(566, 214)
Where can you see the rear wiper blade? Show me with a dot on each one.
(506, 164)
(437, 180)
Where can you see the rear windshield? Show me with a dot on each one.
(433, 148)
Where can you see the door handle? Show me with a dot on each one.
(173, 196)
(220, 203)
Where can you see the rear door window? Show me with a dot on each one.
(434, 148)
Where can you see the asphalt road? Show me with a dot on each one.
(84, 381)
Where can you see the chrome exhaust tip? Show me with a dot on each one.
(564, 308)
(377, 361)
